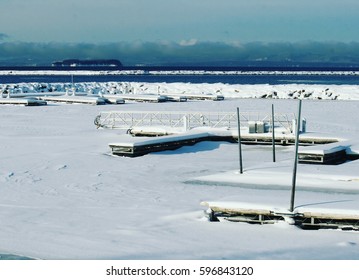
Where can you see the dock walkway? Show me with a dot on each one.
(332, 153)
(75, 99)
(140, 146)
(171, 139)
(22, 101)
(305, 218)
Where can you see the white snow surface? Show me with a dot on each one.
(64, 196)
(290, 91)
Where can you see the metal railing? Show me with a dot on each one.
(130, 119)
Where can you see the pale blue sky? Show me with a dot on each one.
(185, 21)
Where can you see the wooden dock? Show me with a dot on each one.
(327, 219)
(302, 217)
(333, 153)
(161, 140)
(141, 147)
(163, 123)
(282, 139)
(243, 212)
(22, 101)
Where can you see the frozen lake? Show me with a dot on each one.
(63, 196)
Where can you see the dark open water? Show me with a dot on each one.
(287, 77)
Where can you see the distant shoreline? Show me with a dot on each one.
(316, 68)
(97, 72)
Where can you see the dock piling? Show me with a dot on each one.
(294, 177)
(273, 134)
(239, 142)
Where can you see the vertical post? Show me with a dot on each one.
(185, 123)
(72, 85)
(239, 142)
(273, 134)
(294, 177)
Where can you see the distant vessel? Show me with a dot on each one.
(87, 63)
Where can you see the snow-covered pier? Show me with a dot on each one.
(22, 101)
(139, 147)
(75, 99)
(244, 212)
(326, 154)
(170, 139)
(220, 126)
(180, 97)
(305, 218)
(144, 97)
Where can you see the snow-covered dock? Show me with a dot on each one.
(305, 218)
(325, 154)
(137, 147)
(282, 139)
(112, 99)
(144, 97)
(22, 101)
(327, 218)
(75, 99)
(170, 139)
(213, 97)
(244, 212)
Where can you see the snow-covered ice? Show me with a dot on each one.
(290, 91)
(64, 196)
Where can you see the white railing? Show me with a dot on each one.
(128, 120)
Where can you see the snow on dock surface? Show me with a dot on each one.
(140, 146)
(75, 99)
(64, 196)
(22, 101)
(303, 217)
(326, 154)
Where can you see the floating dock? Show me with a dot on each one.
(163, 141)
(304, 218)
(327, 219)
(22, 101)
(176, 98)
(282, 139)
(144, 97)
(213, 97)
(112, 99)
(141, 147)
(244, 212)
(91, 100)
(222, 126)
(334, 153)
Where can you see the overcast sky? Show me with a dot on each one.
(179, 31)
(185, 21)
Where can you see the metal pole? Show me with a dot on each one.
(273, 135)
(239, 142)
(296, 158)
